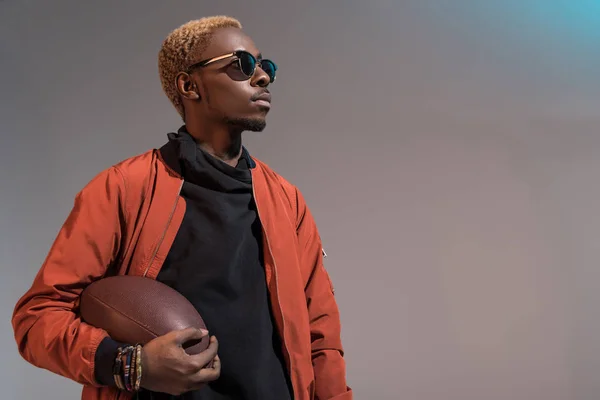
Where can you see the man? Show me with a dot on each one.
(204, 217)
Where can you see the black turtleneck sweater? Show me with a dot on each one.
(216, 262)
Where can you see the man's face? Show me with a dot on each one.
(227, 95)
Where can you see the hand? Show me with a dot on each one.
(167, 368)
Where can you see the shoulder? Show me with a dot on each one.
(290, 192)
(138, 164)
(275, 177)
(122, 177)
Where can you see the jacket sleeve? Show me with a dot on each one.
(325, 328)
(48, 331)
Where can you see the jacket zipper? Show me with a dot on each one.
(276, 287)
(118, 394)
(164, 231)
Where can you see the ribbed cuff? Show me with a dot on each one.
(104, 361)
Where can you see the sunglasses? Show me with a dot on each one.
(247, 64)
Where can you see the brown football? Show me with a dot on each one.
(135, 309)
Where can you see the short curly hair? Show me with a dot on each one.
(181, 45)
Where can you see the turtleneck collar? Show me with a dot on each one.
(197, 165)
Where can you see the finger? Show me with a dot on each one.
(188, 334)
(206, 375)
(204, 357)
(216, 364)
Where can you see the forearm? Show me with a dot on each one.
(330, 376)
(329, 365)
(59, 342)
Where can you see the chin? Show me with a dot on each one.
(254, 123)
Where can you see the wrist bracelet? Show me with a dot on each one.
(127, 368)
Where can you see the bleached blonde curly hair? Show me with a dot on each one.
(182, 45)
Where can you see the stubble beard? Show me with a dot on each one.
(246, 124)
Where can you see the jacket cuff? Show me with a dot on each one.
(104, 361)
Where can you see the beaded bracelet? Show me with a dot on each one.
(127, 369)
(138, 368)
(117, 369)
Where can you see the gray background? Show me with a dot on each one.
(448, 149)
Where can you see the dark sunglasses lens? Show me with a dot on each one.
(247, 63)
(270, 68)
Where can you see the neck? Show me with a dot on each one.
(220, 141)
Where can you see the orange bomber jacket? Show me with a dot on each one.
(124, 221)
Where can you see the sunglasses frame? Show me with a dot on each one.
(237, 54)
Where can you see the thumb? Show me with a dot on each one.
(185, 335)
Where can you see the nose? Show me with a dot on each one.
(260, 77)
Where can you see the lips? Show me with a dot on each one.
(265, 96)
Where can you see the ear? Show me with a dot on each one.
(186, 86)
